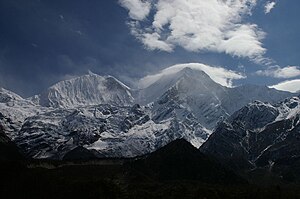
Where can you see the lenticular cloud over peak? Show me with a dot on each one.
(289, 85)
(218, 74)
(197, 25)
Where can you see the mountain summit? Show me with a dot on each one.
(167, 81)
(90, 89)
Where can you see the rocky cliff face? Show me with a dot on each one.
(260, 134)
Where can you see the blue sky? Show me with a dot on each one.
(45, 41)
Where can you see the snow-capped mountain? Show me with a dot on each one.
(110, 130)
(207, 100)
(102, 115)
(259, 133)
(90, 89)
(14, 110)
(195, 92)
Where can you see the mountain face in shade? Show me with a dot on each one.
(79, 153)
(8, 150)
(179, 160)
(102, 114)
(260, 134)
(89, 89)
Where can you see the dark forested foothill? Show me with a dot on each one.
(177, 170)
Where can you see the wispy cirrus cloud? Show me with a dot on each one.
(278, 72)
(269, 6)
(197, 26)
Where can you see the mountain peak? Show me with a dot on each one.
(6, 96)
(179, 160)
(90, 89)
(192, 79)
(189, 72)
(179, 146)
(91, 73)
(187, 77)
(258, 133)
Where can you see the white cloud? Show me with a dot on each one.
(152, 41)
(197, 25)
(277, 72)
(138, 9)
(291, 86)
(218, 74)
(244, 40)
(269, 6)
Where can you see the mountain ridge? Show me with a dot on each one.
(75, 114)
(259, 133)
